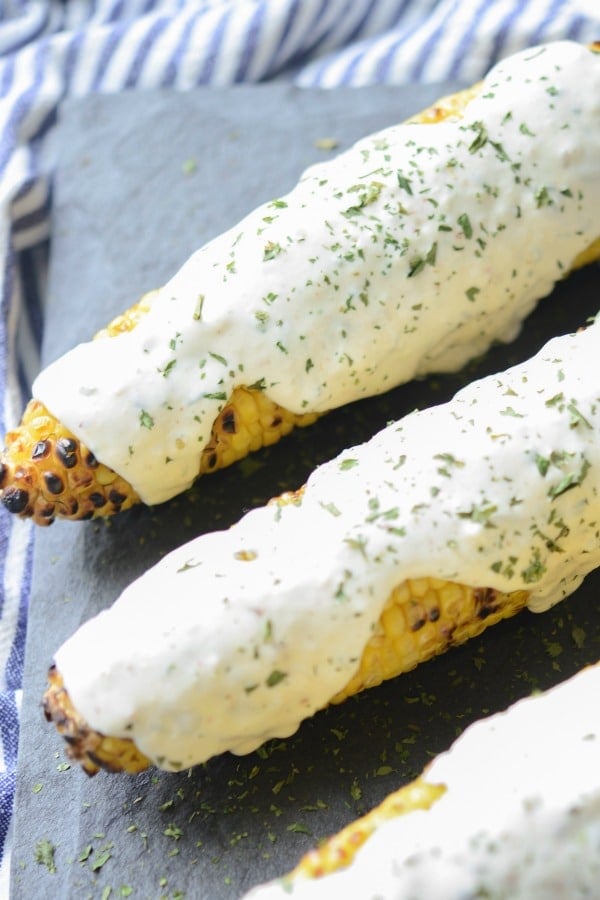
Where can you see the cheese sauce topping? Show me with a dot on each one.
(266, 621)
(520, 818)
(408, 254)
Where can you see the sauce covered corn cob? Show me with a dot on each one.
(421, 619)
(408, 254)
(441, 524)
(532, 832)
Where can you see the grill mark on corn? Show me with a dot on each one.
(15, 500)
(228, 421)
(41, 450)
(485, 601)
(46, 511)
(53, 483)
(66, 451)
(72, 506)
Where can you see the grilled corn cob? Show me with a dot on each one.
(359, 576)
(532, 832)
(422, 618)
(310, 315)
(46, 471)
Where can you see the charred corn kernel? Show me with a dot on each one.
(249, 420)
(422, 618)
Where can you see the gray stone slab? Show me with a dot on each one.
(142, 181)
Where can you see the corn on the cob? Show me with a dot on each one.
(529, 832)
(47, 472)
(362, 574)
(49, 466)
(421, 619)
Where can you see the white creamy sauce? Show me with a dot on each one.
(520, 819)
(408, 254)
(239, 635)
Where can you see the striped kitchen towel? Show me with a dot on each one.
(56, 49)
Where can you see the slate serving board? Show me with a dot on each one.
(141, 183)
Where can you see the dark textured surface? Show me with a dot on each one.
(142, 182)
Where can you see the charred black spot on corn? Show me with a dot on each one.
(54, 483)
(66, 451)
(15, 499)
(486, 601)
(90, 460)
(41, 450)
(228, 421)
(72, 507)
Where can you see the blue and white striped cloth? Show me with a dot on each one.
(53, 49)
